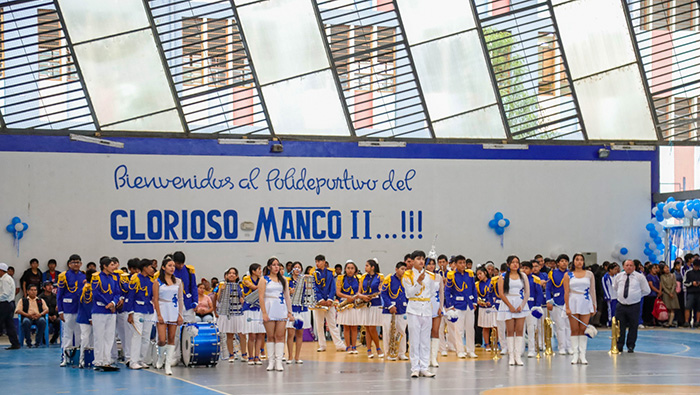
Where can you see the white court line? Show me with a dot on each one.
(185, 381)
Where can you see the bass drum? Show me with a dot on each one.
(201, 344)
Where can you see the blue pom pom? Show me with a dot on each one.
(298, 324)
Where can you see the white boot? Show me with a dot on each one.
(161, 357)
(519, 345)
(511, 350)
(582, 344)
(279, 351)
(169, 358)
(574, 345)
(434, 347)
(270, 347)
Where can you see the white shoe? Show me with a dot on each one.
(135, 366)
(510, 341)
(444, 353)
(299, 362)
(531, 354)
(472, 354)
(462, 355)
(434, 346)
(321, 349)
(403, 358)
(258, 362)
(425, 373)
(582, 345)
(279, 350)
(161, 357)
(169, 359)
(251, 362)
(391, 359)
(570, 351)
(563, 352)
(290, 361)
(574, 344)
(270, 347)
(414, 375)
(519, 345)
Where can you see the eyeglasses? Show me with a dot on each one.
(73, 262)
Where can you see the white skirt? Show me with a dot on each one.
(435, 307)
(372, 316)
(504, 313)
(487, 317)
(304, 316)
(351, 316)
(253, 322)
(169, 312)
(578, 304)
(231, 324)
(276, 311)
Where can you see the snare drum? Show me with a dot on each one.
(201, 344)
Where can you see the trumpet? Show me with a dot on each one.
(548, 335)
(614, 337)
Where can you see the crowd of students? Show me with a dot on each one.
(445, 304)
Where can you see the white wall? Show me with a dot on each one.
(553, 206)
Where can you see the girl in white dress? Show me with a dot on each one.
(252, 325)
(371, 316)
(276, 308)
(228, 304)
(168, 303)
(437, 300)
(487, 319)
(294, 335)
(347, 289)
(580, 297)
(513, 309)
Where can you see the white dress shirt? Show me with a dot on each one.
(638, 288)
(419, 295)
(7, 288)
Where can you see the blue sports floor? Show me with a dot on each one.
(667, 361)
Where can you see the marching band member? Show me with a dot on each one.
(514, 287)
(371, 316)
(296, 335)
(394, 303)
(169, 307)
(276, 309)
(609, 293)
(419, 310)
(540, 270)
(252, 316)
(555, 297)
(437, 301)
(70, 285)
(140, 309)
(580, 299)
(191, 298)
(536, 299)
(442, 270)
(106, 293)
(486, 319)
(228, 303)
(462, 297)
(325, 283)
(124, 331)
(347, 287)
(85, 321)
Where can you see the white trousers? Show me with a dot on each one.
(562, 328)
(401, 324)
(86, 338)
(540, 329)
(463, 326)
(124, 332)
(445, 340)
(329, 316)
(530, 327)
(419, 332)
(104, 330)
(140, 343)
(70, 328)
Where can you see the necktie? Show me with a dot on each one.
(627, 287)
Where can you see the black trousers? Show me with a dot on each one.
(628, 316)
(6, 312)
(56, 324)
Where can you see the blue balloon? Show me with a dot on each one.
(493, 224)
(660, 206)
(499, 230)
(652, 257)
(20, 235)
(680, 205)
(623, 251)
(24, 224)
(657, 241)
(648, 251)
(16, 220)
(650, 227)
(507, 223)
(653, 234)
(10, 228)
(659, 216)
(498, 215)
(670, 199)
(661, 246)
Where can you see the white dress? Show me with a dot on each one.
(515, 295)
(169, 301)
(275, 305)
(580, 297)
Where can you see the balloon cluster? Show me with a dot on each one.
(499, 223)
(620, 252)
(674, 209)
(17, 227)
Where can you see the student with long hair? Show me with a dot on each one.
(515, 290)
(580, 297)
(169, 305)
(228, 303)
(140, 308)
(487, 319)
(296, 336)
(371, 316)
(276, 309)
(347, 288)
(252, 317)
